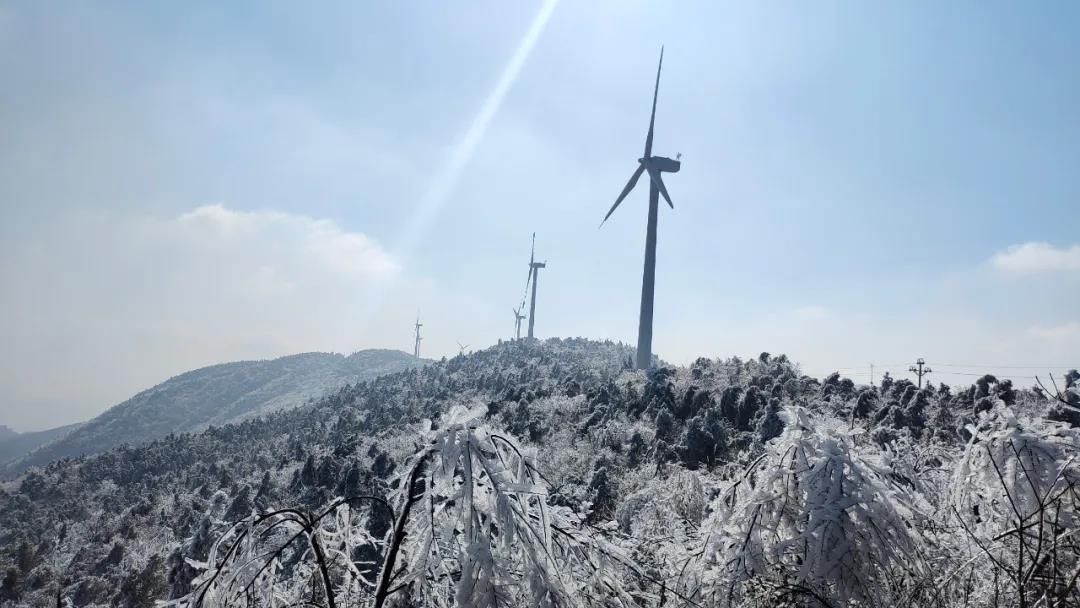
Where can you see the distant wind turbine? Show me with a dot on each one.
(416, 347)
(518, 317)
(655, 166)
(534, 276)
(462, 348)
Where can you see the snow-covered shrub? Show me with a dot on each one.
(662, 506)
(1066, 404)
(811, 518)
(472, 527)
(1015, 498)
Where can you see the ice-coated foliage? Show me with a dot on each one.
(1015, 495)
(812, 518)
(472, 528)
(550, 473)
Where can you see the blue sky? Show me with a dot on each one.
(188, 184)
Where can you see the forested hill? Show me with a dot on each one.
(743, 480)
(15, 445)
(109, 528)
(217, 395)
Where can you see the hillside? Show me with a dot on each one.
(725, 483)
(15, 445)
(217, 395)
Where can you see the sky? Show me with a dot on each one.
(183, 184)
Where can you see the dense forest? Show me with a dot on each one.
(551, 474)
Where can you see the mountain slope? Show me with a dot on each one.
(218, 395)
(692, 472)
(14, 445)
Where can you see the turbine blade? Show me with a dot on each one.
(654, 175)
(626, 190)
(532, 258)
(652, 117)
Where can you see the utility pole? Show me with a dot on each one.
(416, 347)
(920, 371)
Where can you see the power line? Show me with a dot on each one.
(1009, 366)
(982, 374)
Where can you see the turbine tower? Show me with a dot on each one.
(416, 347)
(534, 276)
(462, 347)
(655, 166)
(518, 318)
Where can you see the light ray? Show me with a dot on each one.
(442, 186)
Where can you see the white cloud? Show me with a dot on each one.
(1034, 257)
(317, 242)
(1064, 333)
(102, 306)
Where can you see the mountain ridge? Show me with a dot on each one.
(214, 395)
(659, 463)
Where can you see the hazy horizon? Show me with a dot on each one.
(190, 185)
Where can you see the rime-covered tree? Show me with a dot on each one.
(472, 528)
(811, 519)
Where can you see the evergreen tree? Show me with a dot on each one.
(770, 425)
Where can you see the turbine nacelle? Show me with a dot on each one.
(661, 164)
(653, 165)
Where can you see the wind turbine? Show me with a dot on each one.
(655, 166)
(534, 277)
(462, 347)
(416, 348)
(518, 317)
